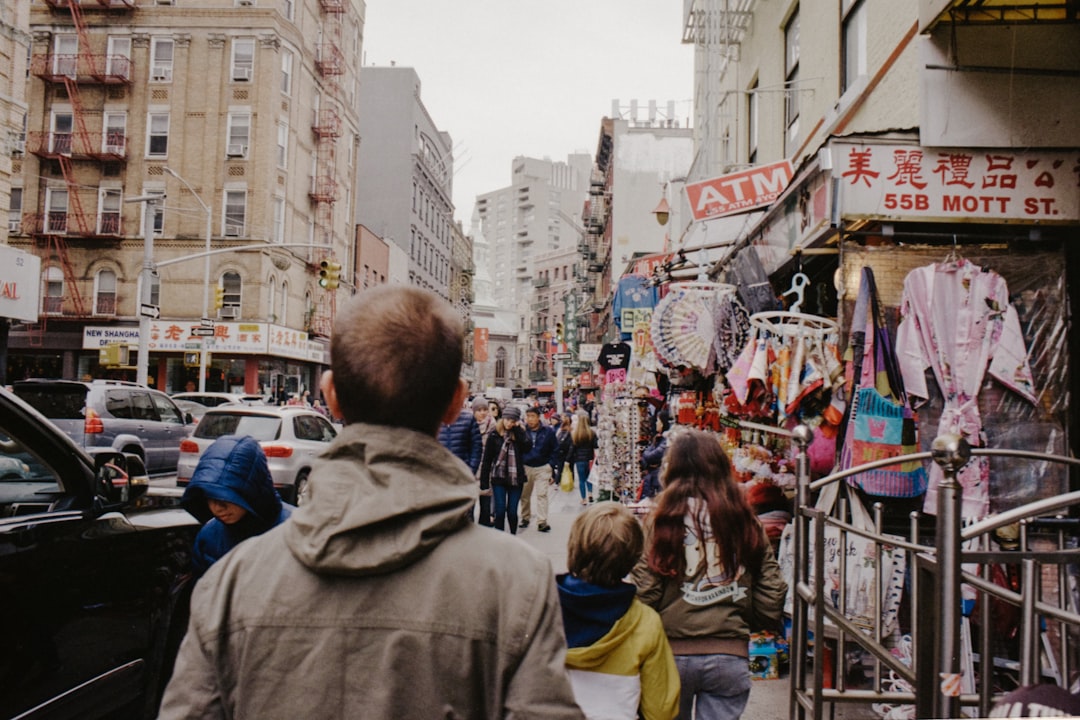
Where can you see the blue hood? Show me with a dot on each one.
(233, 469)
(590, 611)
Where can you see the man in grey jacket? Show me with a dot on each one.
(379, 598)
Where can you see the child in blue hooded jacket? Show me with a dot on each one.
(232, 492)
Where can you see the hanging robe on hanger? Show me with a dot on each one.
(957, 320)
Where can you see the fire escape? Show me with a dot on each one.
(330, 66)
(69, 144)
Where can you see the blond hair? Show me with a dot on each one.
(604, 545)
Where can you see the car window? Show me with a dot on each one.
(310, 427)
(142, 407)
(56, 402)
(211, 401)
(166, 410)
(261, 427)
(118, 404)
(27, 485)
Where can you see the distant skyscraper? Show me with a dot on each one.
(406, 170)
(539, 212)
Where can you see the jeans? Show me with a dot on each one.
(581, 467)
(714, 687)
(506, 504)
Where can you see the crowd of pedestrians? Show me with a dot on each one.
(364, 602)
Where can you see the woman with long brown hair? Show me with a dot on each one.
(708, 571)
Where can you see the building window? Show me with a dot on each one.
(114, 140)
(853, 45)
(161, 59)
(287, 9)
(753, 113)
(286, 72)
(66, 54)
(105, 293)
(108, 220)
(60, 137)
(243, 59)
(232, 286)
(235, 213)
(791, 79)
(118, 61)
(52, 299)
(500, 367)
(283, 313)
(283, 145)
(279, 220)
(15, 210)
(239, 133)
(157, 135)
(56, 199)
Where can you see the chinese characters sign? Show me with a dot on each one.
(233, 338)
(942, 183)
(738, 192)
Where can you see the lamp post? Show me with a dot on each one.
(206, 275)
(146, 278)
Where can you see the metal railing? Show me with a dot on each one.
(957, 659)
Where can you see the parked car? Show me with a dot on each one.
(213, 399)
(113, 414)
(291, 436)
(195, 409)
(94, 575)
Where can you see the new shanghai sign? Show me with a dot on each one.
(739, 191)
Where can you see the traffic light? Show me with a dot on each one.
(558, 332)
(191, 358)
(329, 274)
(114, 355)
(219, 297)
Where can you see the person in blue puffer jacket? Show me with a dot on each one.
(232, 492)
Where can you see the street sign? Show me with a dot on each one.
(207, 322)
(562, 356)
(202, 331)
(150, 311)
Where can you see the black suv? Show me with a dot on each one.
(94, 576)
(113, 414)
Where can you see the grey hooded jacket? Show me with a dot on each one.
(379, 598)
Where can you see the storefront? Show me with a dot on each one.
(263, 358)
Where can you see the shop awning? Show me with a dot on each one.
(995, 12)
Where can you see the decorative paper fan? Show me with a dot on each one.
(692, 329)
(661, 337)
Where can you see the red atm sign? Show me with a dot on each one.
(738, 192)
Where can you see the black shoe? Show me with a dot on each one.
(543, 527)
(523, 524)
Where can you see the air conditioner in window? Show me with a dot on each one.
(161, 73)
(241, 73)
(18, 147)
(14, 225)
(229, 312)
(233, 230)
(236, 150)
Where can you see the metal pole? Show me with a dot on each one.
(802, 436)
(951, 452)
(558, 386)
(143, 360)
(205, 342)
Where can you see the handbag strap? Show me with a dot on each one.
(884, 348)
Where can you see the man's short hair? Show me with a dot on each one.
(532, 409)
(396, 354)
(604, 545)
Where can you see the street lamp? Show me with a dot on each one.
(147, 278)
(206, 274)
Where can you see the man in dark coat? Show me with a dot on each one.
(542, 448)
(462, 437)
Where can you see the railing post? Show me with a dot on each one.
(951, 452)
(801, 435)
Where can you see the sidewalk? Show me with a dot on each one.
(768, 699)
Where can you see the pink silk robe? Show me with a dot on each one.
(957, 320)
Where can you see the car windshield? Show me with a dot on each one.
(56, 402)
(260, 427)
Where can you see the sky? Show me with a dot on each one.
(528, 77)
